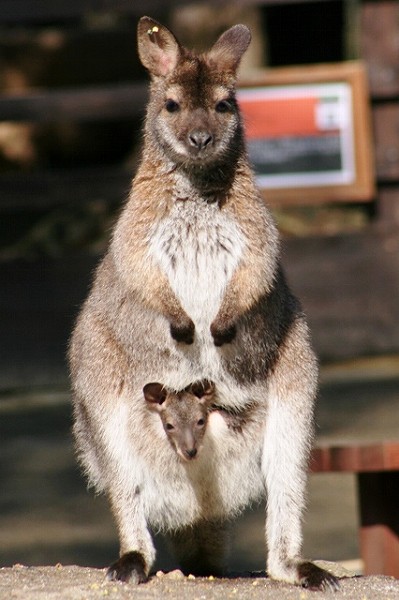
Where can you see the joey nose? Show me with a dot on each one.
(200, 139)
(191, 453)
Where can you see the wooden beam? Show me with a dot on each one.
(386, 119)
(27, 11)
(379, 517)
(80, 104)
(356, 458)
(379, 31)
(56, 187)
(349, 288)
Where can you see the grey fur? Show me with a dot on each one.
(191, 288)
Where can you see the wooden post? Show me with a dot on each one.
(379, 516)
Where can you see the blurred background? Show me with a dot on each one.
(72, 100)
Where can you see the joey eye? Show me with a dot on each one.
(171, 105)
(169, 426)
(201, 422)
(223, 106)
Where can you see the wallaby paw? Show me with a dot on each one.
(313, 577)
(183, 333)
(223, 335)
(130, 567)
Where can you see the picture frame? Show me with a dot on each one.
(308, 131)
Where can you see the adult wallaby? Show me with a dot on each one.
(191, 288)
(184, 414)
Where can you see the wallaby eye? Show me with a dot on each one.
(223, 106)
(169, 426)
(201, 422)
(171, 105)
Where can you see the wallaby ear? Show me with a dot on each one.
(155, 395)
(159, 50)
(202, 389)
(230, 47)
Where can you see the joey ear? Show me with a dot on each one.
(155, 394)
(230, 47)
(202, 389)
(159, 50)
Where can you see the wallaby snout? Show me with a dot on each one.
(199, 139)
(191, 453)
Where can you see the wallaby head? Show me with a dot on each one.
(192, 114)
(184, 414)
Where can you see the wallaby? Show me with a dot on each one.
(184, 414)
(192, 289)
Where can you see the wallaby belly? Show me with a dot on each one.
(198, 247)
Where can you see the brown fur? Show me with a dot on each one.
(192, 289)
(184, 414)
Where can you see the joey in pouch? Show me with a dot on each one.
(184, 414)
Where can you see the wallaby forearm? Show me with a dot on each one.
(144, 278)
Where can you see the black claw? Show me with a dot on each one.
(183, 334)
(129, 567)
(314, 578)
(225, 336)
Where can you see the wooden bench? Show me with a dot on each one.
(377, 469)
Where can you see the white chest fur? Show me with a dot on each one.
(198, 247)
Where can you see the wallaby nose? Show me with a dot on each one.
(191, 453)
(200, 138)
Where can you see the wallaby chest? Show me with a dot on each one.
(198, 246)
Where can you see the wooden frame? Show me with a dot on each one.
(317, 119)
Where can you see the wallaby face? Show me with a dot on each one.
(193, 113)
(192, 289)
(184, 415)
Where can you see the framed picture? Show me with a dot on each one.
(308, 133)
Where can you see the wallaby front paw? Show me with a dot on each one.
(129, 567)
(183, 333)
(223, 335)
(313, 577)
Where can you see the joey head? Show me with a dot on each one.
(184, 414)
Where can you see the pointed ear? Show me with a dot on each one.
(230, 47)
(155, 395)
(159, 50)
(203, 389)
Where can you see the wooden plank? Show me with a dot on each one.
(388, 207)
(44, 189)
(349, 288)
(379, 31)
(386, 131)
(356, 458)
(80, 104)
(36, 11)
(39, 301)
(379, 515)
(15, 11)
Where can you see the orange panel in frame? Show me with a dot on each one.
(280, 117)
